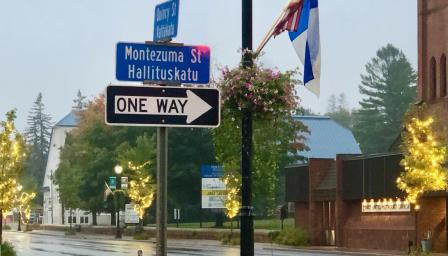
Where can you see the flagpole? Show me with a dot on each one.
(269, 34)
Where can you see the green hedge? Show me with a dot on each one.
(290, 236)
(7, 249)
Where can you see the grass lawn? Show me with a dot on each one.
(272, 224)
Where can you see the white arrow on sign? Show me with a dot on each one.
(192, 106)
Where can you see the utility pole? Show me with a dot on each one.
(162, 163)
(247, 222)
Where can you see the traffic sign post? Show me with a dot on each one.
(163, 63)
(165, 106)
(166, 19)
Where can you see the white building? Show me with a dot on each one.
(52, 208)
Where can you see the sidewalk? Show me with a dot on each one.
(263, 246)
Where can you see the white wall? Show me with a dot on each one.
(52, 209)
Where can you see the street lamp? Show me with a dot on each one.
(118, 170)
(19, 228)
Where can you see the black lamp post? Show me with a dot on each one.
(247, 224)
(118, 170)
(19, 227)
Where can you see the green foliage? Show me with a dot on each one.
(424, 156)
(388, 89)
(290, 236)
(230, 238)
(89, 156)
(6, 227)
(37, 136)
(339, 111)
(188, 149)
(12, 153)
(277, 137)
(141, 236)
(7, 249)
(70, 232)
(138, 162)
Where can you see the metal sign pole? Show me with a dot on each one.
(162, 163)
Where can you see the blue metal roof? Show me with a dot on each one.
(69, 120)
(327, 138)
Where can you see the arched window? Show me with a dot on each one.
(443, 76)
(432, 80)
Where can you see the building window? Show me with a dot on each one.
(81, 220)
(432, 79)
(74, 220)
(443, 76)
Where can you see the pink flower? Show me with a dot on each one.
(275, 74)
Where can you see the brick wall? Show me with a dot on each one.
(431, 217)
(301, 217)
(386, 231)
(432, 43)
(318, 168)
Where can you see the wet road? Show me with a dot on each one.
(29, 244)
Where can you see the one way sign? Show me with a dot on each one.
(162, 106)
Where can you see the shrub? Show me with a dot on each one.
(6, 227)
(291, 236)
(70, 232)
(230, 239)
(141, 236)
(7, 249)
(273, 235)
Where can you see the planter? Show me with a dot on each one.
(426, 245)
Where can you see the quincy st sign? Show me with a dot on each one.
(163, 63)
(166, 19)
(162, 106)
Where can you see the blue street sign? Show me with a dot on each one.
(163, 63)
(166, 19)
(211, 171)
(112, 182)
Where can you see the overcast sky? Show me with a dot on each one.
(58, 46)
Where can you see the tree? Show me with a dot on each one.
(339, 111)
(80, 102)
(89, 156)
(23, 200)
(388, 89)
(12, 153)
(139, 162)
(424, 158)
(233, 198)
(68, 177)
(188, 149)
(37, 135)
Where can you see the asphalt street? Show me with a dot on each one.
(30, 244)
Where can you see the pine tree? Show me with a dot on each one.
(339, 111)
(37, 136)
(79, 102)
(388, 89)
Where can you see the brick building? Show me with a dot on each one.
(352, 200)
(432, 51)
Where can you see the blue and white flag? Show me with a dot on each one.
(301, 19)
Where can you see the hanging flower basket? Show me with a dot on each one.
(263, 91)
